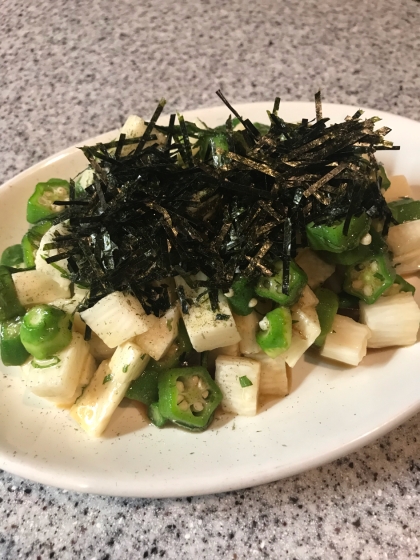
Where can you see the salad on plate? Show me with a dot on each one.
(190, 268)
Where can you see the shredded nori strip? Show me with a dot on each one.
(165, 210)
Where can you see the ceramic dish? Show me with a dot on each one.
(331, 410)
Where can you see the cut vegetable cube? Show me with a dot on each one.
(317, 269)
(162, 332)
(237, 397)
(347, 341)
(408, 263)
(60, 379)
(231, 350)
(305, 330)
(87, 371)
(307, 298)
(135, 127)
(94, 408)
(58, 270)
(34, 287)
(248, 327)
(117, 318)
(404, 238)
(273, 375)
(205, 330)
(392, 320)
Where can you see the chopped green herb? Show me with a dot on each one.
(125, 368)
(107, 378)
(244, 381)
(169, 324)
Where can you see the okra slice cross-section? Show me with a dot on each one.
(188, 397)
(271, 287)
(369, 279)
(275, 335)
(45, 331)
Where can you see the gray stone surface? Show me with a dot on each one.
(69, 70)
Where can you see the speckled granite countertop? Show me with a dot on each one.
(72, 69)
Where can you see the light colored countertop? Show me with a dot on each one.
(70, 70)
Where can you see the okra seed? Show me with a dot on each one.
(252, 302)
(180, 386)
(184, 405)
(205, 394)
(374, 266)
(179, 399)
(357, 284)
(368, 291)
(230, 293)
(366, 239)
(264, 324)
(198, 406)
(194, 380)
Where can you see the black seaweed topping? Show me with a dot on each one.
(166, 210)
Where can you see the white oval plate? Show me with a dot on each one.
(330, 411)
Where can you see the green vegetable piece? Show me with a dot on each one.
(9, 303)
(405, 209)
(41, 203)
(45, 331)
(145, 388)
(243, 292)
(331, 238)
(155, 416)
(12, 351)
(400, 285)
(359, 253)
(369, 279)
(386, 183)
(31, 241)
(245, 382)
(346, 301)
(326, 309)
(219, 148)
(276, 336)
(271, 287)
(404, 285)
(188, 397)
(183, 340)
(12, 256)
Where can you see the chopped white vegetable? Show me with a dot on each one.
(162, 332)
(87, 371)
(305, 330)
(99, 350)
(116, 318)
(247, 326)
(85, 179)
(69, 304)
(238, 399)
(408, 263)
(307, 298)
(94, 408)
(347, 341)
(34, 287)
(61, 380)
(231, 350)
(392, 320)
(135, 127)
(273, 375)
(404, 238)
(399, 188)
(59, 270)
(316, 269)
(206, 332)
